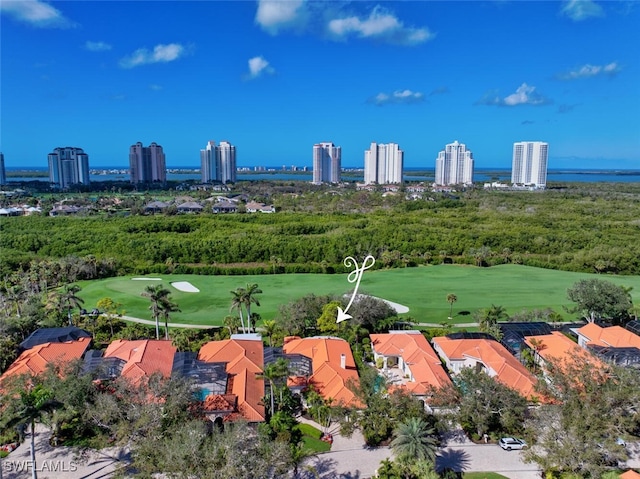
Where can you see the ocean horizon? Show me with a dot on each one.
(274, 173)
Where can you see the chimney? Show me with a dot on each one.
(343, 361)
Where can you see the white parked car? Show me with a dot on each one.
(509, 443)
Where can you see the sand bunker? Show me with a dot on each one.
(146, 279)
(185, 287)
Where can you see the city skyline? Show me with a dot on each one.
(575, 82)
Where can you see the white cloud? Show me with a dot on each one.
(276, 15)
(160, 54)
(398, 96)
(155, 87)
(257, 66)
(578, 10)
(37, 13)
(524, 95)
(588, 71)
(381, 25)
(97, 46)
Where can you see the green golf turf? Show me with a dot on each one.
(424, 290)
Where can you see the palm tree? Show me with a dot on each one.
(538, 345)
(156, 294)
(69, 299)
(415, 440)
(451, 298)
(249, 297)
(232, 323)
(31, 407)
(274, 372)
(237, 303)
(270, 327)
(166, 308)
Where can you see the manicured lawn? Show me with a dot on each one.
(315, 445)
(311, 438)
(423, 290)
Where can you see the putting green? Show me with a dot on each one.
(424, 290)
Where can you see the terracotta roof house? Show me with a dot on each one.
(490, 355)
(244, 389)
(34, 361)
(142, 358)
(613, 336)
(332, 366)
(630, 474)
(556, 346)
(614, 343)
(414, 357)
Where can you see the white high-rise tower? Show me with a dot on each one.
(529, 165)
(383, 164)
(327, 165)
(147, 164)
(68, 166)
(218, 163)
(454, 165)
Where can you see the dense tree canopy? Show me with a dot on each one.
(593, 407)
(599, 299)
(590, 231)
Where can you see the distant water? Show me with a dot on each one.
(481, 175)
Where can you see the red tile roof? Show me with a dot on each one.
(630, 475)
(143, 357)
(34, 361)
(506, 368)
(244, 360)
(417, 353)
(329, 378)
(613, 336)
(557, 347)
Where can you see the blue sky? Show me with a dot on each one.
(275, 77)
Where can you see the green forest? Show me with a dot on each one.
(578, 229)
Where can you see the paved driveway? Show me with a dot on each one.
(350, 459)
(61, 462)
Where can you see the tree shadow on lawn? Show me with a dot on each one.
(452, 459)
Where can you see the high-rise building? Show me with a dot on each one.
(3, 176)
(147, 164)
(218, 163)
(529, 165)
(454, 165)
(383, 164)
(68, 166)
(327, 163)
